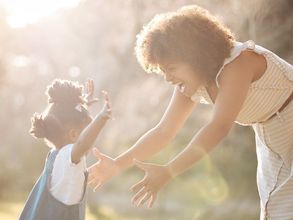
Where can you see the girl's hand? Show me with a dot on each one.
(101, 171)
(106, 111)
(89, 94)
(156, 176)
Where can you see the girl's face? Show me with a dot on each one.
(183, 76)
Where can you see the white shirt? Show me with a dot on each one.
(67, 181)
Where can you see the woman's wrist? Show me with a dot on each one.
(169, 170)
(118, 164)
(124, 161)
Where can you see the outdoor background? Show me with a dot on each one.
(72, 39)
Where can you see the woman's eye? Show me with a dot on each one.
(171, 69)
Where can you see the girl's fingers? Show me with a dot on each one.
(136, 187)
(107, 100)
(92, 86)
(92, 101)
(152, 200)
(87, 86)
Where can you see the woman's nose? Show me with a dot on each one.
(168, 78)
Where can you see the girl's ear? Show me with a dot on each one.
(73, 134)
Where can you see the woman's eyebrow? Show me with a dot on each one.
(164, 68)
(168, 67)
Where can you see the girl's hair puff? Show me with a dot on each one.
(65, 111)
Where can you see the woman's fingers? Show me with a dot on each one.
(145, 198)
(139, 195)
(152, 200)
(136, 187)
(93, 182)
(98, 186)
(92, 170)
(92, 174)
(97, 154)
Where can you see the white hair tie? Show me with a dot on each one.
(79, 107)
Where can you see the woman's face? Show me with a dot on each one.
(183, 76)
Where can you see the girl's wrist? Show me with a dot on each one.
(104, 116)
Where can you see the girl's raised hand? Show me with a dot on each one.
(89, 94)
(106, 110)
(156, 177)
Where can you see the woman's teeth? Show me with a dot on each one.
(182, 88)
(180, 85)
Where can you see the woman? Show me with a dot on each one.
(244, 82)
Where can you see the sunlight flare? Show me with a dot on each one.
(22, 13)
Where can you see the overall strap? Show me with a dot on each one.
(50, 161)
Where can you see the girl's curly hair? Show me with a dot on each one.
(65, 111)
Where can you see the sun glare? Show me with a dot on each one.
(22, 13)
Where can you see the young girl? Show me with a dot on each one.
(68, 129)
(244, 82)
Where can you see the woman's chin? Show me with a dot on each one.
(187, 93)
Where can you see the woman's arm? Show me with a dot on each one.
(88, 136)
(234, 86)
(180, 107)
(178, 110)
(233, 90)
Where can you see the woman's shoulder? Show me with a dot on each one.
(245, 57)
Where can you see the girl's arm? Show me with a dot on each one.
(234, 85)
(88, 136)
(150, 143)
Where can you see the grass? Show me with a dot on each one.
(11, 211)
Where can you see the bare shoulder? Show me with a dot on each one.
(247, 67)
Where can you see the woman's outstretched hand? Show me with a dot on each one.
(156, 177)
(102, 170)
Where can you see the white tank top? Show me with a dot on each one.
(267, 94)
